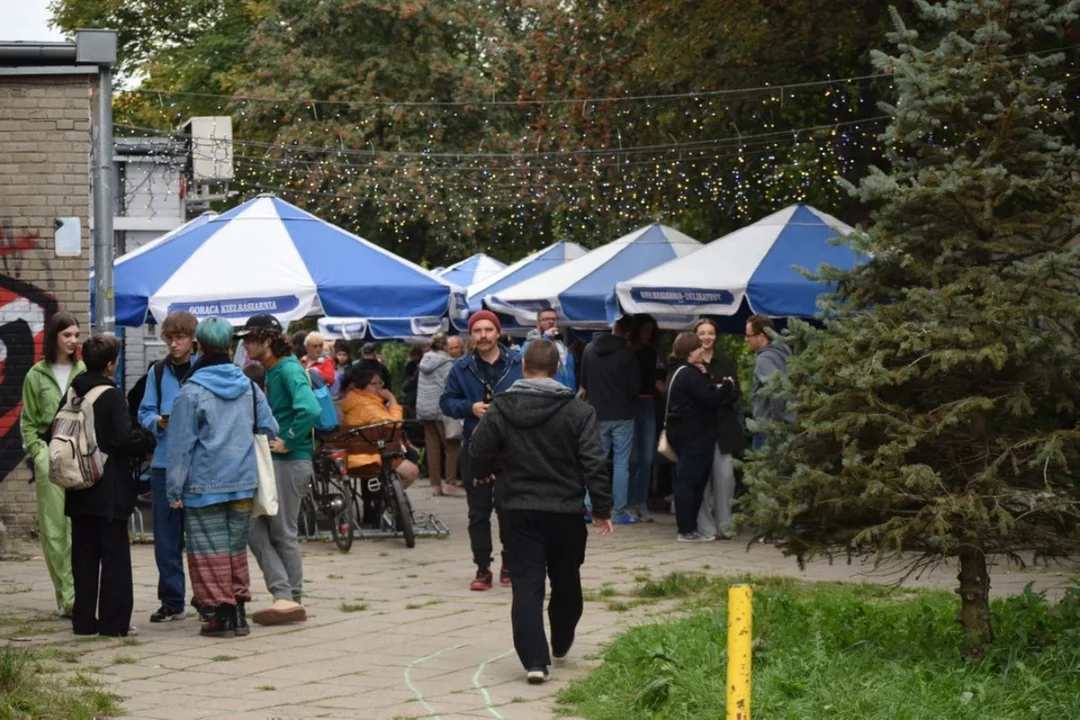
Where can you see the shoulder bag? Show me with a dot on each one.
(663, 447)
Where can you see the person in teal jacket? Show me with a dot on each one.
(44, 389)
(295, 408)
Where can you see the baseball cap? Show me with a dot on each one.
(369, 348)
(266, 323)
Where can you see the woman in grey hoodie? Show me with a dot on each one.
(434, 367)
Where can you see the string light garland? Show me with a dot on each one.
(551, 169)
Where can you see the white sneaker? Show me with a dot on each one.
(694, 537)
(538, 676)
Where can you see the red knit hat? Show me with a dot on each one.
(486, 315)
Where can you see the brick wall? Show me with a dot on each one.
(44, 174)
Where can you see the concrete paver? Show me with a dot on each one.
(414, 643)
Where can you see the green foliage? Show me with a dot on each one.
(937, 409)
(30, 688)
(367, 59)
(844, 652)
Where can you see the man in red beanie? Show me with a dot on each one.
(473, 382)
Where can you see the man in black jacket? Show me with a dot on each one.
(611, 378)
(100, 552)
(544, 444)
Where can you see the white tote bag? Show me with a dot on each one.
(266, 499)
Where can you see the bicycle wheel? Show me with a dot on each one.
(402, 510)
(341, 524)
(308, 518)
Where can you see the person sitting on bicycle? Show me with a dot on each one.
(367, 401)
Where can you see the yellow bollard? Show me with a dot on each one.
(740, 651)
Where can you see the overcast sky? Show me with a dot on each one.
(26, 20)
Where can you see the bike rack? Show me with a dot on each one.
(424, 525)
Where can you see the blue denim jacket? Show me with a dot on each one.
(211, 449)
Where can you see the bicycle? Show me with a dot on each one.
(332, 494)
(382, 497)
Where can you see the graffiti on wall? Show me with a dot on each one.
(24, 311)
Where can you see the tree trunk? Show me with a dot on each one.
(974, 594)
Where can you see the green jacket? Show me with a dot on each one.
(41, 397)
(293, 403)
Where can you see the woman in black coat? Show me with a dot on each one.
(691, 424)
(101, 552)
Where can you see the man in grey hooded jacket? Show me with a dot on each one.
(771, 359)
(543, 444)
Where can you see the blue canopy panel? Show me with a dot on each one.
(585, 300)
(542, 261)
(776, 288)
(139, 274)
(337, 261)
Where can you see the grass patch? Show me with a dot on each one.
(335, 577)
(351, 607)
(417, 606)
(266, 688)
(124, 660)
(30, 688)
(673, 585)
(841, 652)
(223, 658)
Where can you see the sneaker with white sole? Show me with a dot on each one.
(538, 675)
(694, 537)
(164, 615)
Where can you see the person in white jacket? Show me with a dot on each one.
(441, 434)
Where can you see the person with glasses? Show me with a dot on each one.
(162, 386)
(367, 401)
(772, 358)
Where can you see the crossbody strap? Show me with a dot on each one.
(254, 409)
(667, 403)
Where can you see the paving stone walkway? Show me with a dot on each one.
(392, 633)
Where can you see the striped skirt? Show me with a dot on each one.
(217, 540)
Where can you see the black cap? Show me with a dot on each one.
(369, 349)
(266, 323)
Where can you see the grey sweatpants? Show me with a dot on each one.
(273, 538)
(714, 518)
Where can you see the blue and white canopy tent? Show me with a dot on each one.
(267, 256)
(470, 271)
(755, 265)
(579, 290)
(540, 261)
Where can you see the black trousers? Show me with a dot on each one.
(101, 566)
(539, 544)
(481, 500)
(692, 474)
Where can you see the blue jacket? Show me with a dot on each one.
(211, 449)
(465, 387)
(148, 408)
(566, 374)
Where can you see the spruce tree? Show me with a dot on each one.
(938, 405)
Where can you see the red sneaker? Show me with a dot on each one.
(504, 576)
(482, 581)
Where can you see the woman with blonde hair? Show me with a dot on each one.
(316, 359)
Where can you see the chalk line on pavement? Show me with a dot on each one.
(482, 689)
(408, 679)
